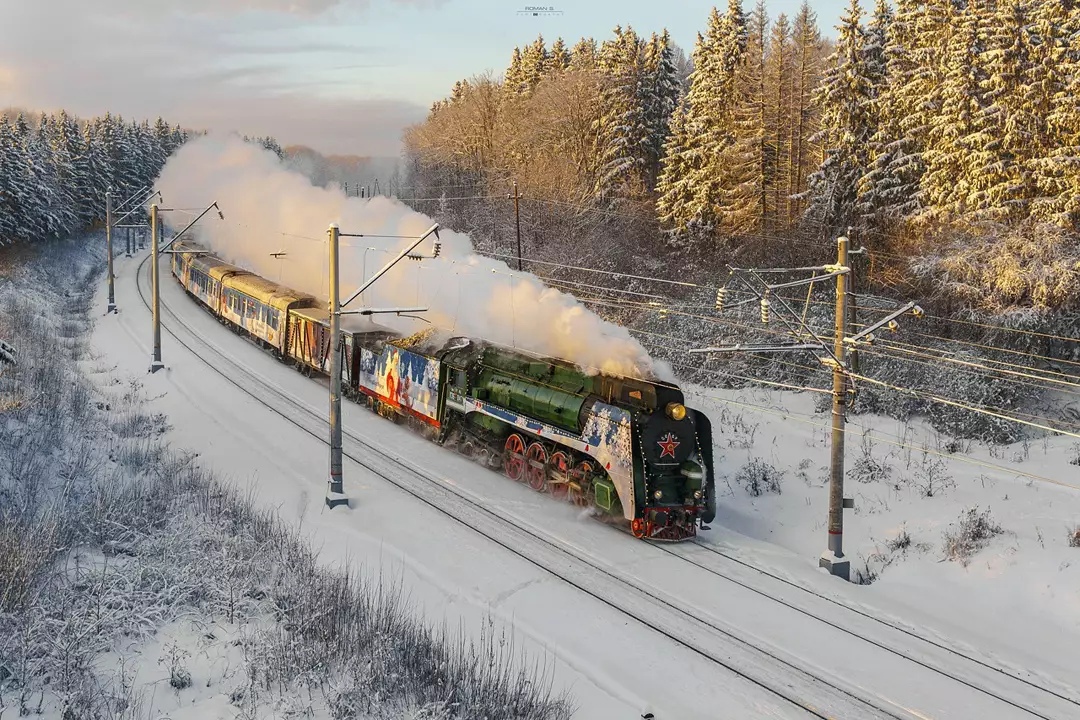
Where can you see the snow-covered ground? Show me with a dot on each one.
(907, 485)
(612, 665)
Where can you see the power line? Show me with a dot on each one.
(966, 363)
(805, 419)
(1010, 351)
(973, 408)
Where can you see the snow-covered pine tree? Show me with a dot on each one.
(36, 179)
(889, 190)
(1055, 72)
(622, 130)
(98, 172)
(132, 163)
(64, 149)
(674, 187)
(660, 95)
(534, 64)
(72, 137)
(692, 192)
(806, 59)
(180, 136)
(779, 79)
(514, 83)
(1005, 185)
(46, 185)
(10, 192)
(583, 55)
(150, 153)
(843, 97)
(877, 72)
(750, 161)
(558, 58)
(271, 144)
(954, 137)
(163, 142)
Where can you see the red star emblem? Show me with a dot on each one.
(667, 446)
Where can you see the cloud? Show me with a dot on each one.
(257, 66)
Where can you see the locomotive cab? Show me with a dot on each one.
(673, 473)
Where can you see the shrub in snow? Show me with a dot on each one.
(758, 477)
(974, 531)
(901, 542)
(1075, 459)
(1074, 537)
(867, 468)
(175, 659)
(932, 476)
(868, 569)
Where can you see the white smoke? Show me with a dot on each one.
(271, 209)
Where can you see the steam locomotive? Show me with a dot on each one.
(629, 448)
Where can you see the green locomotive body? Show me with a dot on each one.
(629, 447)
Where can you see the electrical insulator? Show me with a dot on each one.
(721, 296)
(893, 325)
(438, 249)
(765, 310)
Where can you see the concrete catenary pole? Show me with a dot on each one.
(108, 249)
(335, 491)
(156, 364)
(517, 221)
(833, 558)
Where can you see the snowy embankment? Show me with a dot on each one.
(133, 583)
(971, 543)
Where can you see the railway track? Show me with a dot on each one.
(813, 691)
(1005, 686)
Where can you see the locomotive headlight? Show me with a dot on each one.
(697, 494)
(676, 411)
(658, 494)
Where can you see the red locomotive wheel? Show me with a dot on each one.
(638, 526)
(581, 476)
(514, 457)
(558, 479)
(536, 466)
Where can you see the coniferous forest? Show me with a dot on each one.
(56, 168)
(942, 135)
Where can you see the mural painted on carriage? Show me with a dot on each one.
(608, 429)
(402, 378)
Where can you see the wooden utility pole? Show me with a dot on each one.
(517, 220)
(108, 249)
(833, 558)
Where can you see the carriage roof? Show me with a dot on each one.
(215, 267)
(269, 293)
(350, 324)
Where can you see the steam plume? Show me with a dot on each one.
(270, 209)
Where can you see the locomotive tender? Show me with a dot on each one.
(627, 447)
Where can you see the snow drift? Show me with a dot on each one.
(271, 209)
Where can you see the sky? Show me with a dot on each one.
(341, 76)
